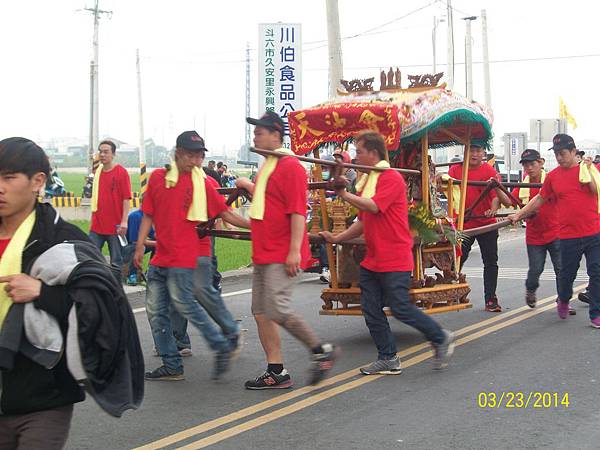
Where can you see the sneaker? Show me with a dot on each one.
(383, 367)
(530, 299)
(270, 380)
(165, 374)
(132, 280)
(323, 362)
(572, 311)
(492, 305)
(443, 352)
(185, 352)
(325, 275)
(584, 296)
(562, 308)
(596, 322)
(222, 364)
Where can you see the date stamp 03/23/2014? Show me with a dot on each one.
(523, 400)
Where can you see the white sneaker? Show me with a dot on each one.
(325, 275)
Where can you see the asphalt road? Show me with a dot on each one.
(544, 372)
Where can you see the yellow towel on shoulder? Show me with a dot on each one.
(198, 211)
(368, 181)
(257, 208)
(10, 263)
(524, 192)
(455, 194)
(586, 174)
(95, 187)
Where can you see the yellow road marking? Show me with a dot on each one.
(245, 412)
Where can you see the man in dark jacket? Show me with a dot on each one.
(36, 402)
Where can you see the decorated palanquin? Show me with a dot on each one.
(414, 122)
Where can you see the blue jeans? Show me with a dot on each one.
(114, 246)
(379, 288)
(571, 251)
(176, 286)
(536, 254)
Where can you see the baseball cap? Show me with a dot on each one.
(530, 155)
(190, 140)
(269, 120)
(562, 141)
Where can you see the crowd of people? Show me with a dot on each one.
(183, 284)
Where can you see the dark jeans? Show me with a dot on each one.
(379, 289)
(488, 244)
(571, 251)
(215, 265)
(114, 246)
(323, 257)
(536, 254)
(128, 252)
(40, 430)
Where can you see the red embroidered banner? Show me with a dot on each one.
(338, 122)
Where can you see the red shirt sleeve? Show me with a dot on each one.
(215, 202)
(148, 203)
(453, 171)
(125, 184)
(387, 190)
(296, 188)
(547, 191)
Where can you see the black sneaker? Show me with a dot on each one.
(270, 380)
(222, 364)
(163, 373)
(322, 363)
(492, 305)
(584, 296)
(530, 299)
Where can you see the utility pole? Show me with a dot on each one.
(434, 41)
(486, 60)
(450, 44)
(469, 57)
(334, 40)
(246, 155)
(94, 97)
(143, 174)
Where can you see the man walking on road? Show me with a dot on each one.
(385, 271)
(279, 252)
(541, 234)
(110, 203)
(178, 198)
(484, 211)
(576, 189)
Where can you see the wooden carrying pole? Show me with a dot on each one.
(463, 189)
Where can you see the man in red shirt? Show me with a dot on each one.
(112, 197)
(479, 170)
(579, 223)
(541, 234)
(279, 252)
(180, 273)
(385, 271)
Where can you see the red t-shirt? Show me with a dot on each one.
(482, 173)
(388, 238)
(544, 227)
(285, 195)
(114, 188)
(177, 243)
(577, 204)
(3, 244)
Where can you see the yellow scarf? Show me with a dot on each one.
(586, 174)
(257, 208)
(96, 187)
(367, 182)
(10, 263)
(524, 192)
(198, 211)
(455, 194)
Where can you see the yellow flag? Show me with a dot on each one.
(563, 113)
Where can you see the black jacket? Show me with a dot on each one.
(28, 386)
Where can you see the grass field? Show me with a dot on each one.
(231, 254)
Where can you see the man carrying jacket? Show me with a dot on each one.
(36, 402)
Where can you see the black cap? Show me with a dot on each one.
(269, 120)
(580, 153)
(190, 140)
(530, 155)
(562, 141)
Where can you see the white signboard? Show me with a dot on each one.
(543, 130)
(280, 70)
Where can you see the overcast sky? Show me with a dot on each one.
(193, 69)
